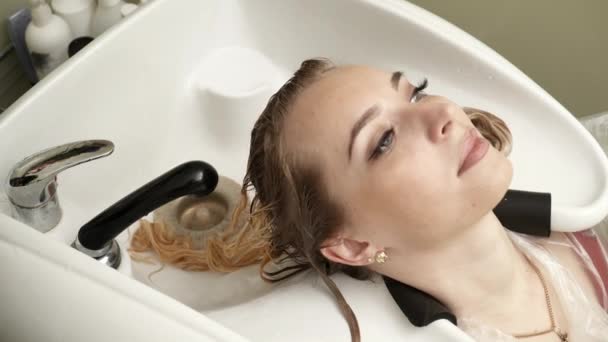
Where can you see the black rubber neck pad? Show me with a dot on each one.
(520, 211)
(420, 308)
(525, 212)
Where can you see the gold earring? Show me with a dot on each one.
(381, 257)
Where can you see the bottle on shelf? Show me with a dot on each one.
(77, 13)
(47, 37)
(106, 15)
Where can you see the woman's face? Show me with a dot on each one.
(395, 165)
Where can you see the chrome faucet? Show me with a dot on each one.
(32, 183)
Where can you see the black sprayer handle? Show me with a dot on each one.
(190, 178)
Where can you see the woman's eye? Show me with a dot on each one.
(384, 144)
(417, 97)
(418, 92)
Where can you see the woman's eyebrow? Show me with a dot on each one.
(369, 114)
(395, 78)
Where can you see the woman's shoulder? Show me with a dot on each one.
(558, 241)
(563, 247)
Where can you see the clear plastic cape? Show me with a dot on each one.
(587, 317)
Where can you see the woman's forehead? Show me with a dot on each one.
(323, 113)
(346, 78)
(340, 92)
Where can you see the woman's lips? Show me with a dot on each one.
(474, 149)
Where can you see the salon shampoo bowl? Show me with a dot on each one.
(185, 80)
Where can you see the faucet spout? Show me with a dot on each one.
(32, 183)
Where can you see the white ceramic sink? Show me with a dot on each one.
(184, 80)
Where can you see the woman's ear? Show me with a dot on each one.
(348, 251)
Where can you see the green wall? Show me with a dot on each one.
(8, 7)
(560, 44)
(12, 79)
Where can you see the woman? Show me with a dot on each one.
(357, 170)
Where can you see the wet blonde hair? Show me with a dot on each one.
(290, 214)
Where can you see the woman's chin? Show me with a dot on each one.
(498, 181)
(488, 181)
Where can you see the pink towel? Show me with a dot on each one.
(590, 243)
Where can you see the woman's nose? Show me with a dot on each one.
(439, 121)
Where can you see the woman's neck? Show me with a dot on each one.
(473, 274)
